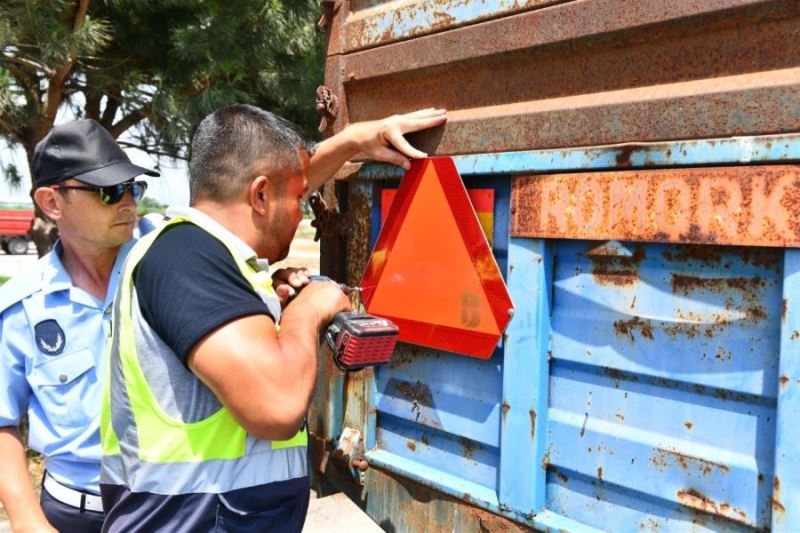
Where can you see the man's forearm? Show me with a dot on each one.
(299, 337)
(16, 490)
(329, 157)
(381, 140)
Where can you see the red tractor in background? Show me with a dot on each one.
(14, 226)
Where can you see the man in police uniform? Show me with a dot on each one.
(54, 321)
(203, 428)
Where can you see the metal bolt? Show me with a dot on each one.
(62, 378)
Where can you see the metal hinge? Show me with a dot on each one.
(327, 106)
(329, 7)
(327, 221)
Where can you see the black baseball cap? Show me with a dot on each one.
(84, 150)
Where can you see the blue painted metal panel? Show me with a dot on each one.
(705, 152)
(786, 483)
(440, 410)
(425, 16)
(525, 381)
(663, 381)
(653, 371)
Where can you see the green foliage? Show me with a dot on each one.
(154, 68)
(12, 175)
(148, 205)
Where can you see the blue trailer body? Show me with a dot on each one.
(641, 384)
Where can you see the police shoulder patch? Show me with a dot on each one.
(50, 337)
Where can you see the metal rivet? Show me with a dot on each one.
(62, 378)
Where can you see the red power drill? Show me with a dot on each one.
(359, 339)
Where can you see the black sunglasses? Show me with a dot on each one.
(111, 194)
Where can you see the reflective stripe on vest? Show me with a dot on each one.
(159, 453)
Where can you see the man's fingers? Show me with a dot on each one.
(299, 278)
(387, 155)
(397, 140)
(296, 277)
(421, 120)
(423, 113)
(285, 292)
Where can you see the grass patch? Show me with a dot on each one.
(3, 279)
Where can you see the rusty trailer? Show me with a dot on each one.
(644, 162)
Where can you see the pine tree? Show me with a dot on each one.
(153, 68)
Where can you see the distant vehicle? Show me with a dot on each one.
(14, 226)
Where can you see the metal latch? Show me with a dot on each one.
(327, 221)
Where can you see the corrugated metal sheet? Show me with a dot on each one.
(374, 23)
(577, 73)
(663, 381)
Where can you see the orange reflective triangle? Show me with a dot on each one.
(432, 271)
(482, 200)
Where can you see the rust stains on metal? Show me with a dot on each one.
(590, 76)
(723, 354)
(696, 500)
(532, 414)
(627, 327)
(618, 375)
(505, 407)
(563, 478)
(749, 288)
(688, 424)
(375, 26)
(783, 380)
(545, 460)
(492, 522)
(784, 305)
(327, 107)
(418, 393)
(663, 458)
(411, 445)
(358, 238)
(600, 473)
(652, 524)
(683, 284)
(609, 267)
(777, 506)
(409, 505)
(424, 439)
(467, 446)
(349, 442)
(710, 255)
(405, 354)
(742, 206)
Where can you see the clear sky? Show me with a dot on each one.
(172, 188)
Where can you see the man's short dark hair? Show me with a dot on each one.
(235, 144)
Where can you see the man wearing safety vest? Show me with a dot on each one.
(202, 420)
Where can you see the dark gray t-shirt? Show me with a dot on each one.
(188, 285)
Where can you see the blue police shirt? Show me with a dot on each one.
(52, 358)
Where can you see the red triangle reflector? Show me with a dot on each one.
(432, 271)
